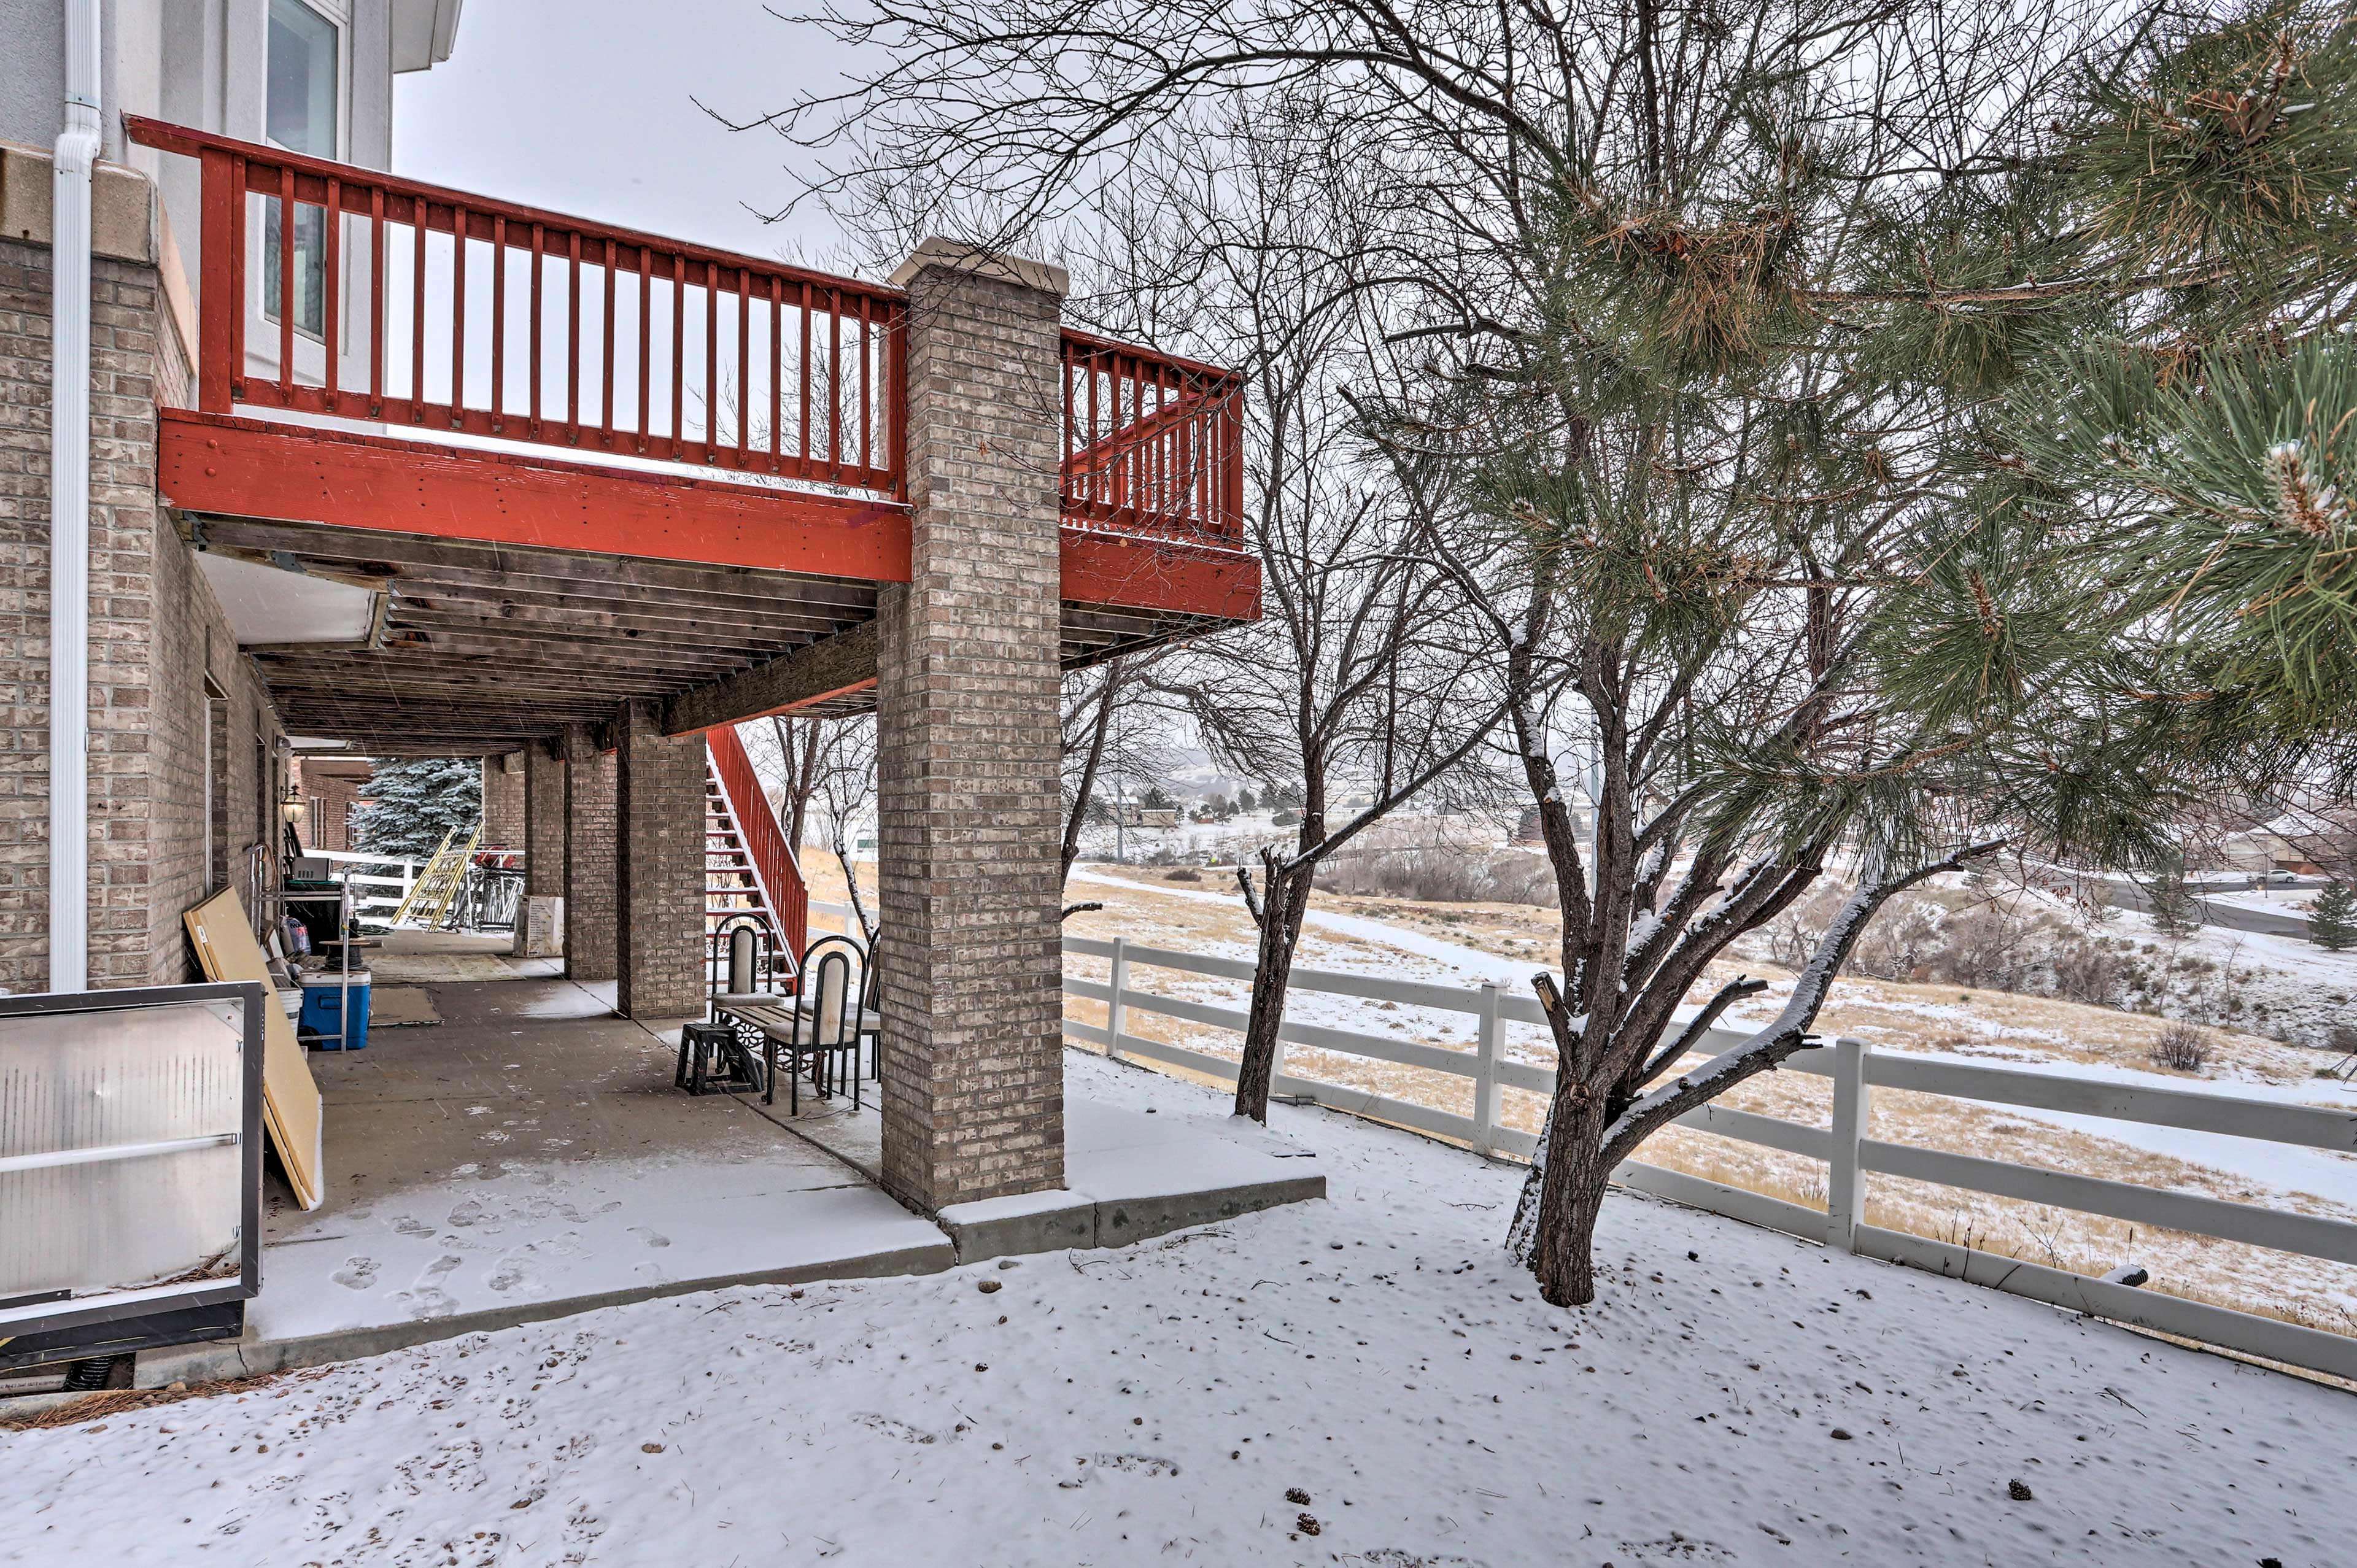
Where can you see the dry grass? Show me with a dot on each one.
(2308, 1291)
(116, 1401)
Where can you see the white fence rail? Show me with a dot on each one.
(1850, 1157)
(397, 888)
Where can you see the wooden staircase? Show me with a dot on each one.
(749, 867)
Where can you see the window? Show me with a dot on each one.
(302, 112)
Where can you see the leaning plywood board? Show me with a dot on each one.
(290, 1101)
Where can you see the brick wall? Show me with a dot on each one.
(543, 824)
(331, 793)
(969, 808)
(590, 830)
(659, 864)
(503, 805)
(156, 633)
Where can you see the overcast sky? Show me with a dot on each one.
(585, 106)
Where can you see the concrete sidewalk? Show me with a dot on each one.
(528, 1158)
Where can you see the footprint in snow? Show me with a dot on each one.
(357, 1273)
(1676, 1549)
(410, 1225)
(1139, 1464)
(652, 1238)
(891, 1428)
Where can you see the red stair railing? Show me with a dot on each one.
(492, 319)
(775, 866)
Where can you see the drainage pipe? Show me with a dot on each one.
(77, 151)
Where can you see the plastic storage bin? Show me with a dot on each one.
(323, 1001)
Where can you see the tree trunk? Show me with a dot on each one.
(1286, 903)
(1571, 1196)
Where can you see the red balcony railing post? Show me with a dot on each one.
(459, 318)
(221, 282)
(330, 337)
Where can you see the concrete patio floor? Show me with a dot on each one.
(528, 1158)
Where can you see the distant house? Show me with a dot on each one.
(330, 788)
(2298, 844)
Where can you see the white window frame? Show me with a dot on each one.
(310, 347)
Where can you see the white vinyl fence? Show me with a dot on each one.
(375, 896)
(1856, 1071)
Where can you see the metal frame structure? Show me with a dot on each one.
(122, 1322)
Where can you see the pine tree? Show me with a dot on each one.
(2332, 922)
(412, 801)
(1878, 435)
(2174, 913)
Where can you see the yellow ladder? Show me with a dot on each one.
(410, 898)
(438, 884)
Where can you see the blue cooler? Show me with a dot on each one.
(323, 1001)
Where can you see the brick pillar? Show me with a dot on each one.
(658, 866)
(968, 790)
(543, 822)
(590, 909)
(503, 801)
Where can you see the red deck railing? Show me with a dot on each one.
(492, 319)
(392, 301)
(773, 859)
(1152, 442)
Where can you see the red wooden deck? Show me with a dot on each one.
(501, 351)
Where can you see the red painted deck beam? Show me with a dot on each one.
(1139, 571)
(247, 468)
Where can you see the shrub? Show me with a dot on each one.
(1183, 874)
(2181, 1048)
(1442, 874)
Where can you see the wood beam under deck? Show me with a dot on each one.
(273, 475)
(492, 635)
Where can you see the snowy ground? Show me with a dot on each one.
(1461, 945)
(1369, 1364)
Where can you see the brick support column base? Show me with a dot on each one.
(969, 802)
(659, 864)
(592, 918)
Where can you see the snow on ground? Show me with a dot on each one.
(1369, 1366)
(493, 1235)
(2031, 1033)
(1448, 962)
(1396, 952)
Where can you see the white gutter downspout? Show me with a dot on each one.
(77, 151)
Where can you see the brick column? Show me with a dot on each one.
(659, 868)
(590, 909)
(968, 792)
(543, 822)
(503, 801)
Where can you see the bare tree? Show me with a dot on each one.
(1731, 385)
(845, 794)
(1345, 685)
(798, 744)
(1114, 720)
